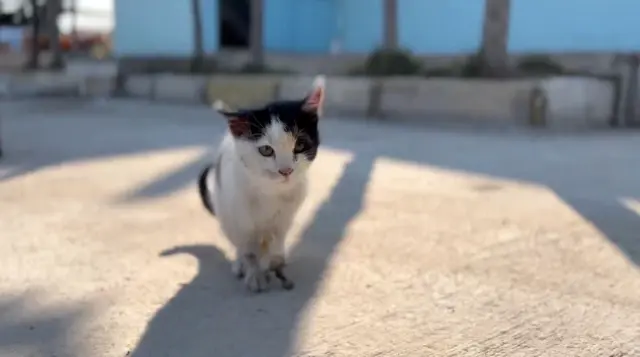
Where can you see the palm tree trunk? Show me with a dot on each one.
(197, 62)
(34, 55)
(495, 34)
(390, 24)
(256, 33)
(54, 8)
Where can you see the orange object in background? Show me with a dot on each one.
(66, 43)
(97, 44)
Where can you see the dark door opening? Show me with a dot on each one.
(235, 18)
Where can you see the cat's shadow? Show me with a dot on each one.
(211, 312)
(214, 315)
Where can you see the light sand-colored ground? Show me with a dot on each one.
(414, 242)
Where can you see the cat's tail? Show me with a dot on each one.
(205, 190)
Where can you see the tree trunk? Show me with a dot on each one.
(34, 55)
(391, 24)
(54, 8)
(256, 34)
(495, 35)
(197, 62)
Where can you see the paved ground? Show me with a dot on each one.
(414, 242)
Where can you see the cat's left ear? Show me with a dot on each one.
(314, 101)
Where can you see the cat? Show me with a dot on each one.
(258, 181)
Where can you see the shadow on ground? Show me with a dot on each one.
(591, 173)
(27, 329)
(42, 134)
(190, 324)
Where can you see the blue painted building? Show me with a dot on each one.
(447, 27)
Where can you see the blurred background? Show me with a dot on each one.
(472, 37)
(473, 235)
(83, 29)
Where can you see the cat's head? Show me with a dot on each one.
(280, 140)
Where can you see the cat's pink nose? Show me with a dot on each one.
(286, 172)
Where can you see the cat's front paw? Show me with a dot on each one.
(277, 264)
(256, 280)
(237, 268)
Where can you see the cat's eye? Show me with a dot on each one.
(300, 147)
(266, 150)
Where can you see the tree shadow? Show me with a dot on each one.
(40, 134)
(590, 172)
(619, 224)
(27, 329)
(213, 315)
(171, 182)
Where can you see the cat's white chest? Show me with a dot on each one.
(270, 211)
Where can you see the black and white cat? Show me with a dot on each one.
(259, 180)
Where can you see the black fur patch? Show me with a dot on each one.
(203, 189)
(292, 116)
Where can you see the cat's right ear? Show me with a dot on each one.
(315, 99)
(239, 124)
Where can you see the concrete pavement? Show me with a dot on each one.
(414, 242)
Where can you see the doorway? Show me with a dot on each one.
(234, 23)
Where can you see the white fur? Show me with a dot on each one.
(255, 205)
(253, 202)
(253, 190)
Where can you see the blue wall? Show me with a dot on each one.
(360, 25)
(441, 26)
(305, 26)
(210, 25)
(310, 26)
(425, 26)
(574, 26)
(455, 26)
(162, 28)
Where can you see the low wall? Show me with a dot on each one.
(242, 91)
(569, 102)
(40, 84)
(579, 101)
(344, 96)
(338, 64)
(457, 100)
